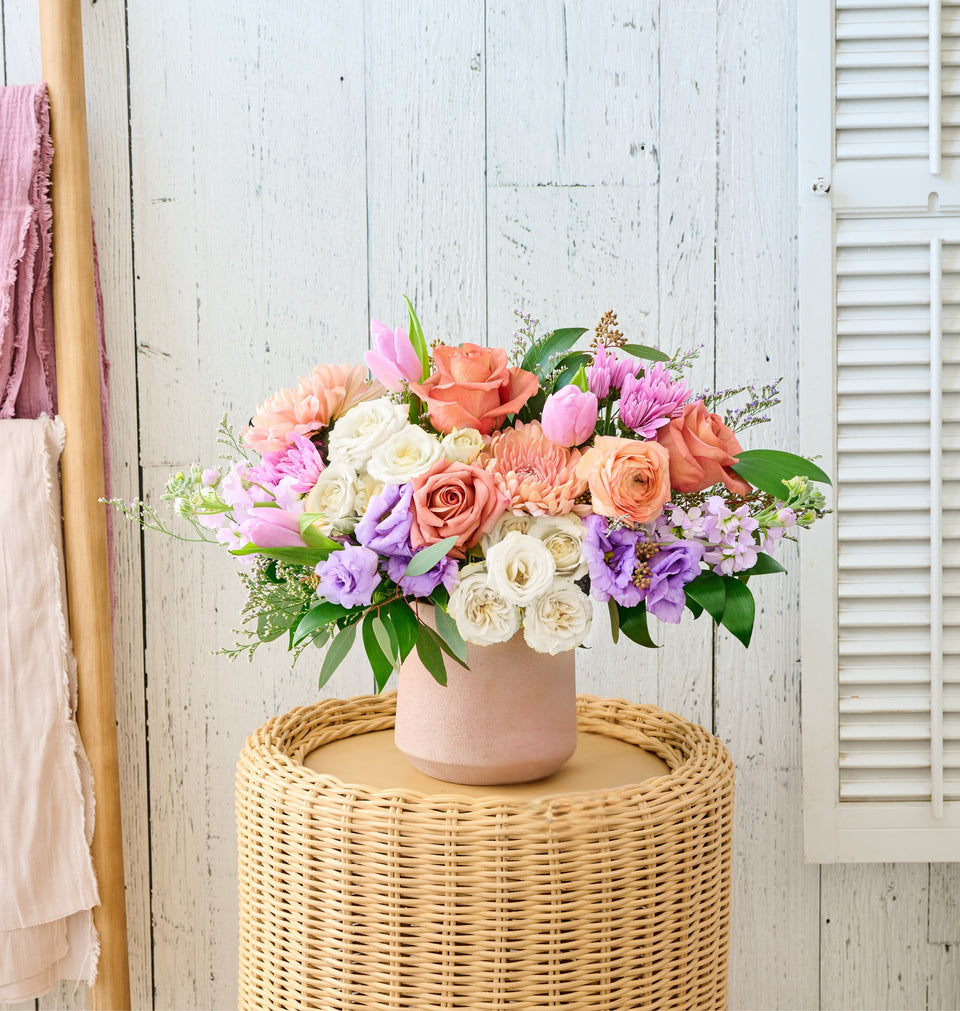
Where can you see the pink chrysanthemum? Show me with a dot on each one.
(321, 397)
(648, 403)
(537, 476)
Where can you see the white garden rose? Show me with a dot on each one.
(508, 522)
(562, 536)
(559, 620)
(482, 615)
(462, 445)
(334, 495)
(520, 568)
(367, 488)
(404, 455)
(357, 434)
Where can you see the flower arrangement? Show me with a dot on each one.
(505, 490)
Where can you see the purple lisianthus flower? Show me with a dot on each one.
(607, 372)
(350, 576)
(611, 556)
(446, 571)
(385, 526)
(648, 403)
(671, 568)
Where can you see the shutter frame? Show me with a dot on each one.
(836, 831)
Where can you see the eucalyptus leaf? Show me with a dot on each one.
(447, 628)
(614, 608)
(426, 630)
(767, 469)
(425, 559)
(387, 639)
(337, 653)
(379, 661)
(418, 341)
(708, 591)
(430, 655)
(739, 610)
(642, 351)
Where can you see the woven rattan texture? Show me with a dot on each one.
(352, 898)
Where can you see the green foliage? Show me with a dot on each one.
(418, 341)
(767, 469)
(538, 357)
(425, 559)
(337, 653)
(647, 353)
(633, 624)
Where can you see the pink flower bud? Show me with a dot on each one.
(569, 416)
(393, 357)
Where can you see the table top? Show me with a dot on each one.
(599, 763)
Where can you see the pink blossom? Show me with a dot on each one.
(393, 358)
(648, 403)
(607, 372)
(569, 416)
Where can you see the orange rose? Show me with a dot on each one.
(626, 477)
(702, 450)
(473, 388)
(454, 499)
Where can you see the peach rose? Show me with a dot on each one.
(626, 477)
(454, 499)
(473, 388)
(702, 450)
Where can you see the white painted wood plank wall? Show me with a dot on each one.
(268, 174)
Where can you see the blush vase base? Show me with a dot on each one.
(510, 718)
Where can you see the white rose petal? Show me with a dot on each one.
(520, 568)
(482, 615)
(462, 445)
(334, 495)
(559, 620)
(367, 488)
(357, 434)
(508, 522)
(563, 536)
(405, 455)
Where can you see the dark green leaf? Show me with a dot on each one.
(642, 351)
(766, 564)
(337, 653)
(418, 341)
(296, 556)
(695, 608)
(430, 656)
(312, 536)
(738, 613)
(633, 624)
(450, 634)
(708, 591)
(614, 608)
(379, 661)
(426, 630)
(405, 625)
(539, 354)
(767, 469)
(318, 616)
(441, 595)
(425, 559)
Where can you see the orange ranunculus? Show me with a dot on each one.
(702, 450)
(454, 499)
(626, 477)
(473, 388)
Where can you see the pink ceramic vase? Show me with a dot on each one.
(510, 718)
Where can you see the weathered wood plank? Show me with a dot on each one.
(758, 693)
(944, 919)
(873, 951)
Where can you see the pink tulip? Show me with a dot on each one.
(273, 528)
(393, 358)
(569, 416)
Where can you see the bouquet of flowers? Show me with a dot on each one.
(502, 490)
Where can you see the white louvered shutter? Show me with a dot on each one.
(879, 181)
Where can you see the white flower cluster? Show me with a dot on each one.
(527, 577)
(373, 445)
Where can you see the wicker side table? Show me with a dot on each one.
(610, 895)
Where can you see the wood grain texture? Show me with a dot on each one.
(944, 920)
(758, 692)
